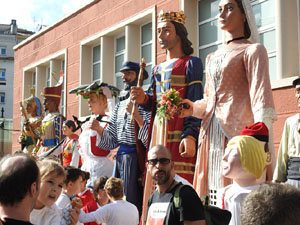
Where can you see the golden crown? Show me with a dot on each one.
(177, 17)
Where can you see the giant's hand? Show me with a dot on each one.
(129, 107)
(186, 108)
(94, 125)
(138, 94)
(187, 147)
(107, 92)
(136, 115)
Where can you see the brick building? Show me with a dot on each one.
(92, 42)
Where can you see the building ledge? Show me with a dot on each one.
(6, 58)
(282, 83)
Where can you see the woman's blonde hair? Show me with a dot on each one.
(49, 166)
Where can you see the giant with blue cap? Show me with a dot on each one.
(133, 66)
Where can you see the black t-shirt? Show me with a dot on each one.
(162, 211)
(9, 221)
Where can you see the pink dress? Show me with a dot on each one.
(237, 93)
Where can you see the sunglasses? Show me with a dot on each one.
(163, 161)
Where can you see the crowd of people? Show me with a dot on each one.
(209, 161)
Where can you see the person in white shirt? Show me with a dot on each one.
(116, 213)
(45, 211)
(71, 186)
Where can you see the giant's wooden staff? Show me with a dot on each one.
(140, 148)
(139, 84)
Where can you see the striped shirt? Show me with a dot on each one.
(120, 129)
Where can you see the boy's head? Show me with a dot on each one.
(272, 204)
(114, 188)
(99, 192)
(73, 180)
(85, 177)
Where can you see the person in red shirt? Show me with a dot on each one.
(86, 195)
(100, 197)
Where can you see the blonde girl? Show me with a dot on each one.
(52, 178)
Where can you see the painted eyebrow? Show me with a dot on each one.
(220, 6)
(165, 26)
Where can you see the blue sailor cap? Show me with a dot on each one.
(128, 65)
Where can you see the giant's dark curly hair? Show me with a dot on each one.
(182, 33)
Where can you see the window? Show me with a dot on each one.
(33, 79)
(265, 21)
(96, 63)
(119, 59)
(146, 48)
(62, 102)
(2, 97)
(210, 36)
(48, 77)
(2, 50)
(2, 74)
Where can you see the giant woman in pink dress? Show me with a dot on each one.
(237, 93)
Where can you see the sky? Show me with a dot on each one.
(31, 14)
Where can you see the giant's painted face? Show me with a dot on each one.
(231, 17)
(96, 103)
(167, 36)
(232, 164)
(50, 105)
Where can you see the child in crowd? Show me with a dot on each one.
(118, 211)
(45, 211)
(85, 195)
(100, 197)
(70, 153)
(71, 187)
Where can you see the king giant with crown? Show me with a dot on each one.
(181, 72)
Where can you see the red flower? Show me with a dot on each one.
(164, 97)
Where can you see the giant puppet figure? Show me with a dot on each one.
(244, 162)
(181, 72)
(96, 160)
(31, 124)
(53, 121)
(237, 93)
(129, 137)
(288, 159)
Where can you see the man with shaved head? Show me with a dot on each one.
(19, 188)
(161, 206)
